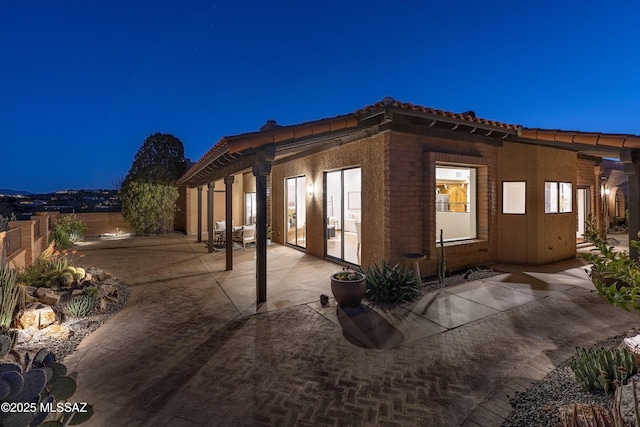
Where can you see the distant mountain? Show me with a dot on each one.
(14, 192)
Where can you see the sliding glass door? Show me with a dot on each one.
(343, 213)
(296, 214)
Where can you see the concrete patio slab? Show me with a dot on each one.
(449, 310)
(527, 284)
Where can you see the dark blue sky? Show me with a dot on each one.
(82, 83)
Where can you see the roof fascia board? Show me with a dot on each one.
(448, 134)
(569, 146)
(453, 120)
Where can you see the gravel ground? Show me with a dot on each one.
(80, 327)
(539, 404)
(457, 277)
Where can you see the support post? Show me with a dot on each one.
(228, 219)
(631, 162)
(199, 213)
(261, 171)
(210, 215)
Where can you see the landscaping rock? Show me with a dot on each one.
(57, 331)
(36, 316)
(48, 297)
(627, 403)
(31, 290)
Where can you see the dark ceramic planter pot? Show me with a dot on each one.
(348, 293)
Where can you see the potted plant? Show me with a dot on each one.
(269, 233)
(348, 287)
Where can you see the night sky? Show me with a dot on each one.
(83, 83)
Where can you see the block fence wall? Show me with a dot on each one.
(34, 233)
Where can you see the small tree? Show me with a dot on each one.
(150, 208)
(149, 192)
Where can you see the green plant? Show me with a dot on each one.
(67, 231)
(4, 221)
(389, 284)
(80, 306)
(269, 232)
(603, 369)
(49, 267)
(614, 274)
(10, 292)
(348, 275)
(91, 292)
(7, 340)
(149, 207)
(38, 384)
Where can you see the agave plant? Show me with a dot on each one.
(389, 284)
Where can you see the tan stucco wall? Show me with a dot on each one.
(536, 237)
(366, 153)
(188, 205)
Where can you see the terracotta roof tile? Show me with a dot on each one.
(390, 102)
(275, 134)
(585, 138)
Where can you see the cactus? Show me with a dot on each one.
(442, 261)
(66, 279)
(80, 306)
(70, 269)
(7, 341)
(92, 292)
(10, 292)
(81, 271)
(41, 380)
(599, 368)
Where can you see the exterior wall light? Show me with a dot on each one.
(310, 189)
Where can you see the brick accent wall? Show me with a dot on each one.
(410, 223)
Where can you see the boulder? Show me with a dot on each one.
(36, 316)
(47, 296)
(51, 298)
(57, 331)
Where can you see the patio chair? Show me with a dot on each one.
(246, 235)
(220, 232)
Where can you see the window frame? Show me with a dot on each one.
(553, 197)
(524, 198)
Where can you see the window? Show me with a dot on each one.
(558, 197)
(455, 203)
(514, 197)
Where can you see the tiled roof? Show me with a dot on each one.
(272, 133)
(614, 140)
(468, 116)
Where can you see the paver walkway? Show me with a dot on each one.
(185, 351)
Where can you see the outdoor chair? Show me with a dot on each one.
(220, 230)
(246, 235)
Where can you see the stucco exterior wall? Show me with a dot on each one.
(537, 237)
(188, 205)
(367, 153)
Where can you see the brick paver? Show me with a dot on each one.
(180, 354)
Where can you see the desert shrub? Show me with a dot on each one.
(150, 208)
(67, 231)
(389, 284)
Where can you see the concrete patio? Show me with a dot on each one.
(191, 348)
